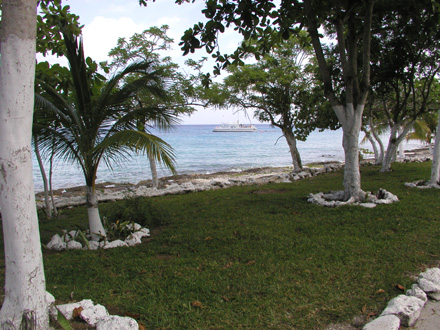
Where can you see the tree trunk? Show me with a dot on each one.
(393, 144)
(153, 169)
(97, 230)
(54, 207)
(379, 159)
(291, 142)
(25, 288)
(373, 144)
(351, 120)
(47, 202)
(435, 169)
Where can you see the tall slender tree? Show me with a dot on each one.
(24, 305)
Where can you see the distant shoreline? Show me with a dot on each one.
(79, 191)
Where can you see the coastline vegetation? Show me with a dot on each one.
(257, 257)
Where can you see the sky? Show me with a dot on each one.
(107, 20)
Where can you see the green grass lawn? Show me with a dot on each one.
(259, 257)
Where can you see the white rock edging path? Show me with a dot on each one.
(196, 184)
(94, 315)
(404, 310)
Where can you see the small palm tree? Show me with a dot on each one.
(424, 129)
(97, 119)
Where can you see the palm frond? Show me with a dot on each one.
(137, 141)
(78, 69)
(163, 119)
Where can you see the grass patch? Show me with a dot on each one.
(259, 257)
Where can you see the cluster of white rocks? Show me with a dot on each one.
(335, 198)
(70, 240)
(404, 310)
(95, 316)
(198, 184)
(422, 185)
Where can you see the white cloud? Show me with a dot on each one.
(102, 34)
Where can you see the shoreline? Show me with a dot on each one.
(185, 183)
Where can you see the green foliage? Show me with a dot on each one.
(281, 88)
(81, 238)
(140, 210)
(95, 119)
(118, 230)
(181, 88)
(49, 35)
(63, 322)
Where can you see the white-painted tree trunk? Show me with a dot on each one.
(435, 169)
(291, 142)
(372, 141)
(351, 120)
(25, 289)
(153, 168)
(379, 159)
(97, 230)
(401, 153)
(396, 137)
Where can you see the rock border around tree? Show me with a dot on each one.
(335, 199)
(74, 240)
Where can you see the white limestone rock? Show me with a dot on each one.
(368, 205)
(134, 226)
(388, 322)
(145, 231)
(406, 308)
(187, 187)
(429, 281)
(92, 315)
(136, 237)
(114, 244)
(67, 309)
(56, 243)
(415, 291)
(117, 323)
(331, 199)
(94, 245)
(294, 177)
(304, 174)
(173, 188)
(220, 182)
(383, 197)
(133, 240)
(336, 198)
(74, 245)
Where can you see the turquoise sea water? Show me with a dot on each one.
(199, 150)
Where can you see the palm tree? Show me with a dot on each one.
(97, 119)
(424, 129)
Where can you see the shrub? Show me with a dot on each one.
(139, 210)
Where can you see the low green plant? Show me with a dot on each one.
(63, 322)
(140, 210)
(81, 237)
(118, 229)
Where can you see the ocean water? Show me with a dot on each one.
(199, 150)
